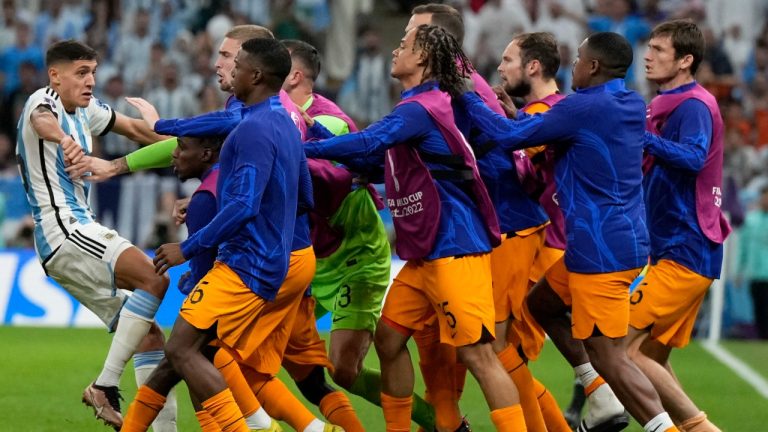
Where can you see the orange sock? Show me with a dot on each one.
(698, 423)
(278, 401)
(437, 363)
(509, 419)
(521, 376)
(672, 429)
(236, 382)
(553, 417)
(207, 422)
(397, 412)
(223, 408)
(143, 410)
(338, 411)
(594, 385)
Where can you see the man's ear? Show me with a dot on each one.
(686, 61)
(594, 67)
(207, 155)
(257, 77)
(53, 76)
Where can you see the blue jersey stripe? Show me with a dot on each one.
(41, 244)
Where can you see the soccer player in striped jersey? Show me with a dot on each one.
(92, 262)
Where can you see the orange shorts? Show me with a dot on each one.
(598, 301)
(305, 347)
(545, 258)
(667, 301)
(458, 290)
(511, 263)
(254, 330)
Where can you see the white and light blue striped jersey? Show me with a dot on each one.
(58, 203)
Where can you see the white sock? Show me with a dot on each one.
(315, 426)
(586, 374)
(259, 420)
(135, 321)
(143, 364)
(660, 423)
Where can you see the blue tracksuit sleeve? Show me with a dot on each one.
(240, 197)
(318, 131)
(306, 200)
(406, 122)
(689, 151)
(202, 209)
(208, 124)
(553, 126)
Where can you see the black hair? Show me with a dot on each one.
(67, 51)
(306, 54)
(213, 142)
(613, 51)
(443, 58)
(273, 58)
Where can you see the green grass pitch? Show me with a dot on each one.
(43, 372)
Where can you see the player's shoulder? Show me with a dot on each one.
(44, 96)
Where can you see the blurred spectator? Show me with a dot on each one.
(753, 261)
(737, 26)
(22, 51)
(170, 98)
(366, 95)
(496, 23)
(13, 103)
(618, 16)
(7, 157)
(339, 47)
(8, 29)
(132, 54)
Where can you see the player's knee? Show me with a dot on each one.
(314, 387)
(345, 374)
(387, 341)
(176, 353)
(478, 356)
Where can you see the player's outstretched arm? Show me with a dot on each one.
(135, 130)
(157, 155)
(46, 126)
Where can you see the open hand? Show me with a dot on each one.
(147, 110)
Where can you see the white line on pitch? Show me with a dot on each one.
(740, 368)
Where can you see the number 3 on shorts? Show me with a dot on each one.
(345, 297)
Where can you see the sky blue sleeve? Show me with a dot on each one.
(208, 124)
(694, 122)
(241, 197)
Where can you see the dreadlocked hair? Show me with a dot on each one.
(444, 60)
